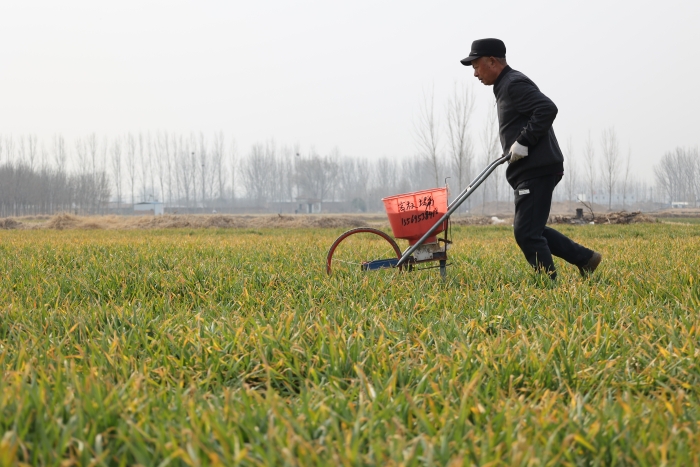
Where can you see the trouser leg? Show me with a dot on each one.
(533, 200)
(563, 247)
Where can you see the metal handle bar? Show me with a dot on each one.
(454, 205)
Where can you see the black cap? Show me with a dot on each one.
(485, 48)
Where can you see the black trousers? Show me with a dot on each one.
(533, 200)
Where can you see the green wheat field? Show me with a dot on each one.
(233, 347)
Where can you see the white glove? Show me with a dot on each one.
(517, 152)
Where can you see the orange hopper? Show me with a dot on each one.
(412, 214)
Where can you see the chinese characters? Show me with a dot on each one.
(427, 203)
(423, 202)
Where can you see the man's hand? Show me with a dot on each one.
(517, 152)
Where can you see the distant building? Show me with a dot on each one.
(153, 208)
(308, 206)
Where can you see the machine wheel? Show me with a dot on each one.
(362, 249)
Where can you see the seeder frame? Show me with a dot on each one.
(407, 258)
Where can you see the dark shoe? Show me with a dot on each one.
(588, 268)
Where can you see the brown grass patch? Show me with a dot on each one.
(9, 223)
(67, 221)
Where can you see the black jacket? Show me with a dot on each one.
(526, 115)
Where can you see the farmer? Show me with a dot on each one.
(525, 117)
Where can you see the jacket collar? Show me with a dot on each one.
(505, 71)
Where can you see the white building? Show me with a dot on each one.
(308, 206)
(153, 208)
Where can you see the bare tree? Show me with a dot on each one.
(117, 169)
(195, 169)
(147, 182)
(353, 182)
(185, 174)
(334, 157)
(204, 167)
(626, 176)
(490, 144)
(691, 175)
(183, 177)
(611, 160)
(695, 174)
(81, 154)
(677, 174)
(92, 149)
(426, 133)
(316, 176)
(171, 151)
(571, 170)
(386, 176)
(147, 144)
(59, 152)
(460, 107)
(131, 164)
(257, 172)
(233, 160)
(217, 159)
(32, 150)
(590, 165)
(286, 174)
(10, 149)
(161, 152)
(173, 186)
(44, 162)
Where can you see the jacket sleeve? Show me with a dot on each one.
(540, 110)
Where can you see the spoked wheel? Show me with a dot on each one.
(362, 249)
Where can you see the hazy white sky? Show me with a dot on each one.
(345, 74)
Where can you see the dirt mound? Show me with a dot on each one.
(172, 221)
(678, 212)
(9, 224)
(225, 222)
(480, 220)
(312, 221)
(67, 221)
(621, 217)
(325, 222)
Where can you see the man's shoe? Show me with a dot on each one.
(588, 268)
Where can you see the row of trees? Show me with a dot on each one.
(45, 190)
(200, 173)
(678, 175)
(34, 179)
(90, 173)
